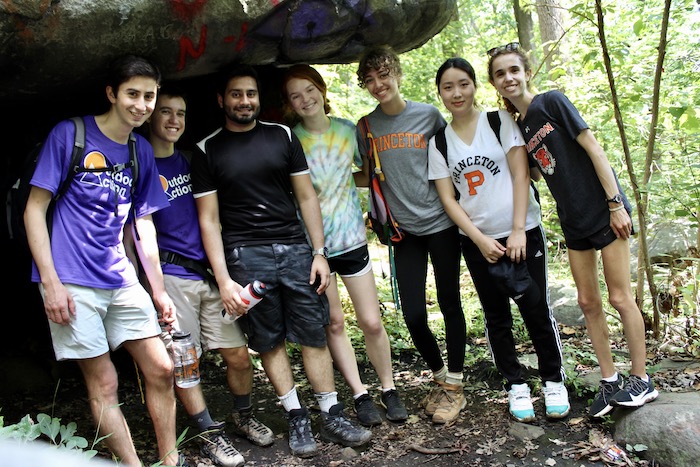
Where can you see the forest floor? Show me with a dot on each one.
(483, 435)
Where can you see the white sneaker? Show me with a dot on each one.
(556, 399)
(519, 403)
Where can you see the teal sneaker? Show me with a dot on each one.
(556, 399)
(520, 404)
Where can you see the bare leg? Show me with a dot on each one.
(239, 370)
(616, 267)
(363, 293)
(318, 367)
(157, 368)
(278, 369)
(102, 383)
(339, 344)
(192, 399)
(584, 268)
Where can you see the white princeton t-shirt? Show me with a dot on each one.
(481, 175)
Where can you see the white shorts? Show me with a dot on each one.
(104, 319)
(198, 308)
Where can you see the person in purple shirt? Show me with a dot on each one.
(91, 292)
(194, 292)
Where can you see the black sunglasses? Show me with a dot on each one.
(508, 47)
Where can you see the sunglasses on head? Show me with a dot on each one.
(508, 47)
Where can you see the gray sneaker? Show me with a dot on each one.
(336, 428)
(301, 438)
(245, 424)
(218, 447)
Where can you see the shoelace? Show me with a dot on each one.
(224, 443)
(635, 385)
(446, 393)
(607, 388)
(299, 425)
(253, 424)
(520, 393)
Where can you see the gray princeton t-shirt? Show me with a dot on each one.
(402, 144)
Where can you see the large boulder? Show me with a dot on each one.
(46, 46)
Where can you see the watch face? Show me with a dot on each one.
(615, 199)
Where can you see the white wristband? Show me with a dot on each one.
(617, 208)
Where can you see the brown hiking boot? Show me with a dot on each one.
(429, 402)
(449, 403)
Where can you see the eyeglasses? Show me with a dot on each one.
(508, 47)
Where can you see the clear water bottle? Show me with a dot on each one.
(251, 295)
(185, 359)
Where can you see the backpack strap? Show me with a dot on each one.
(373, 156)
(134, 161)
(441, 144)
(200, 268)
(76, 155)
(495, 122)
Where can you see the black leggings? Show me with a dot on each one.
(539, 320)
(411, 259)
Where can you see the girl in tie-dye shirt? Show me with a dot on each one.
(331, 149)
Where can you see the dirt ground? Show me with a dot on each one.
(483, 435)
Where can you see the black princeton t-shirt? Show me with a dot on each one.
(250, 172)
(550, 128)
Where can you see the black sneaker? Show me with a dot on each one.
(367, 413)
(601, 404)
(301, 438)
(395, 410)
(217, 446)
(336, 428)
(635, 393)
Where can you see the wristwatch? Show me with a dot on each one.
(615, 199)
(321, 251)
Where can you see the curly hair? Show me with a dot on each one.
(377, 58)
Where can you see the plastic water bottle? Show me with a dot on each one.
(185, 359)
(251, 295)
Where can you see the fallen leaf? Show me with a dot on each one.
(550, 461)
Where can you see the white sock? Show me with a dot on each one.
(326, 400)
(359, 394)
(441, 374)
(611, 379)
(454, 378)
(290, 401)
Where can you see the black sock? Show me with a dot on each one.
(242, 403)
(202, 420)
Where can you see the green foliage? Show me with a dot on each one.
(47, 428)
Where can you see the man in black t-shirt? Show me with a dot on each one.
(248, 178)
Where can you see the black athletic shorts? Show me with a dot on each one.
(598, 240)
(291, 308)
(352, 263)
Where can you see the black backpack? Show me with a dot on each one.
(18, 194)
(495, 123)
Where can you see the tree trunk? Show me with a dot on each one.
(641, 200)
(526, 36)
(551, 18)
